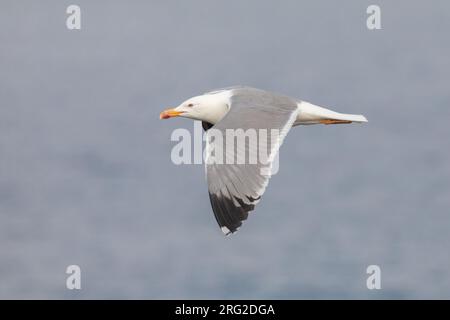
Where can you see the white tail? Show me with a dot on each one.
(312, 114)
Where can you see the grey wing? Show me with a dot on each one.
(235, 188)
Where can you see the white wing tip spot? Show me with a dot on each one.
(225, 230)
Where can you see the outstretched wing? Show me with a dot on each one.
(236, 186)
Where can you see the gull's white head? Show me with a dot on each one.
(208, 107)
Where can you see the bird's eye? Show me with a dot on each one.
(190, 105)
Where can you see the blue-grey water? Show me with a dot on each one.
(85, 170)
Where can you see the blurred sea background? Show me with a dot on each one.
(85, 170)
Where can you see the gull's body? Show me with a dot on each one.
(235, 189)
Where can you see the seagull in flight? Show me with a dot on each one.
(235, 188)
